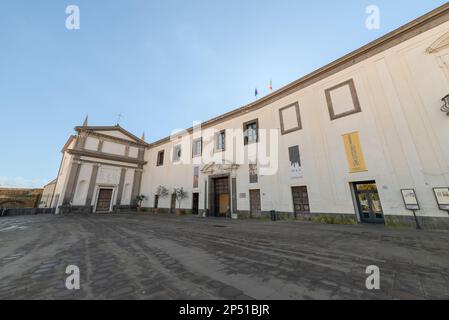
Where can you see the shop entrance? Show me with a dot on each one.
(368, 202)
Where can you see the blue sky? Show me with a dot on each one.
(162, 64)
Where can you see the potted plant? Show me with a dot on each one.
(140, 199)
(162, 193)
(180, 194)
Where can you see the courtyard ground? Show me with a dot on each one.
(144, 256)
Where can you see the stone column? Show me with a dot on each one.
(136, 186)
(93, 181)
(71, 183)
(234, 195)
(120, 187)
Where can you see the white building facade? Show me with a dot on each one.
(365, 137)
(101, 171)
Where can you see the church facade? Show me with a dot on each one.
(101, 170)
(363, 138)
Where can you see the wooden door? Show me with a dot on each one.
(195, 204)
(300, 200)
(254, 202)
(220, 195)
(104, 200)
(223, 204)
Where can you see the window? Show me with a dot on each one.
(251, 131)
(197, 147)
(253, 178)
(220, 141)
(160, 158)
(196, 176)
(177, 153)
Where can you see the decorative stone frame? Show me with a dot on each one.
(193, 147)
(216, 135)
(355, 100)
(245, 137)
(175, 157)
(160, 164)
(298, 117)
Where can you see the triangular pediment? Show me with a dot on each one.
(115, 134)
(112, 131)
(440, 44)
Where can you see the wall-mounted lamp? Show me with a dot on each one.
(445, 107)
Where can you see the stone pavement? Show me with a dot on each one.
(132, 256)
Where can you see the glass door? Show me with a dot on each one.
(368, 202)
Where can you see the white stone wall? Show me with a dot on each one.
(47, 195)
(61, 183)
(91, 144)
(127, 187)
(113, 148)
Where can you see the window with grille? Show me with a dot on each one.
(253, 178)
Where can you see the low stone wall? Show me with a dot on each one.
(75, 209)
(90, 209)
(26, 211)
(167, 211)
(119, 209)
(432, 223)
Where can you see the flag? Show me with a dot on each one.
(271, 85)
(256, 93)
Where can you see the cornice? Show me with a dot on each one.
(93, 132)
(105, 156)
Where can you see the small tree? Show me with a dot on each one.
(140, 199)
(162, 192)
(180, 194)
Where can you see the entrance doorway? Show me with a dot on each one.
(368, 202)
(195, 204)
(220, 197)
(254, 203)
(104, 200)
(300, 200)
(173, 203)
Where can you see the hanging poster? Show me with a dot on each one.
(354, 153)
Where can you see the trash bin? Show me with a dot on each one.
(273, 215)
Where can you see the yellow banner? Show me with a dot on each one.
(354, 153)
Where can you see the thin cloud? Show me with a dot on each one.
(20, 182)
